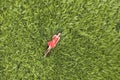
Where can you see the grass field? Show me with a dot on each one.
(89, 48)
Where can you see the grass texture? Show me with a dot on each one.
(89, 48)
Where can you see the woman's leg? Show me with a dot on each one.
(47, 51)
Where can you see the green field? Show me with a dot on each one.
(89, 48)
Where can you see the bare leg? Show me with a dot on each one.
(47, 51)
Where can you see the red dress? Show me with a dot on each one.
(54, 41)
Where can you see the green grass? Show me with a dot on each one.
(89, 48)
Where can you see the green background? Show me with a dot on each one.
(89, 48)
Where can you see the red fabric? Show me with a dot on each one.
(53, 42)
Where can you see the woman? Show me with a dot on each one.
(52, 43)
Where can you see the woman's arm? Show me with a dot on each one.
(54, 36)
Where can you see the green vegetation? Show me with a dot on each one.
(89, 48)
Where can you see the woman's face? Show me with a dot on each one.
(59, 34)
